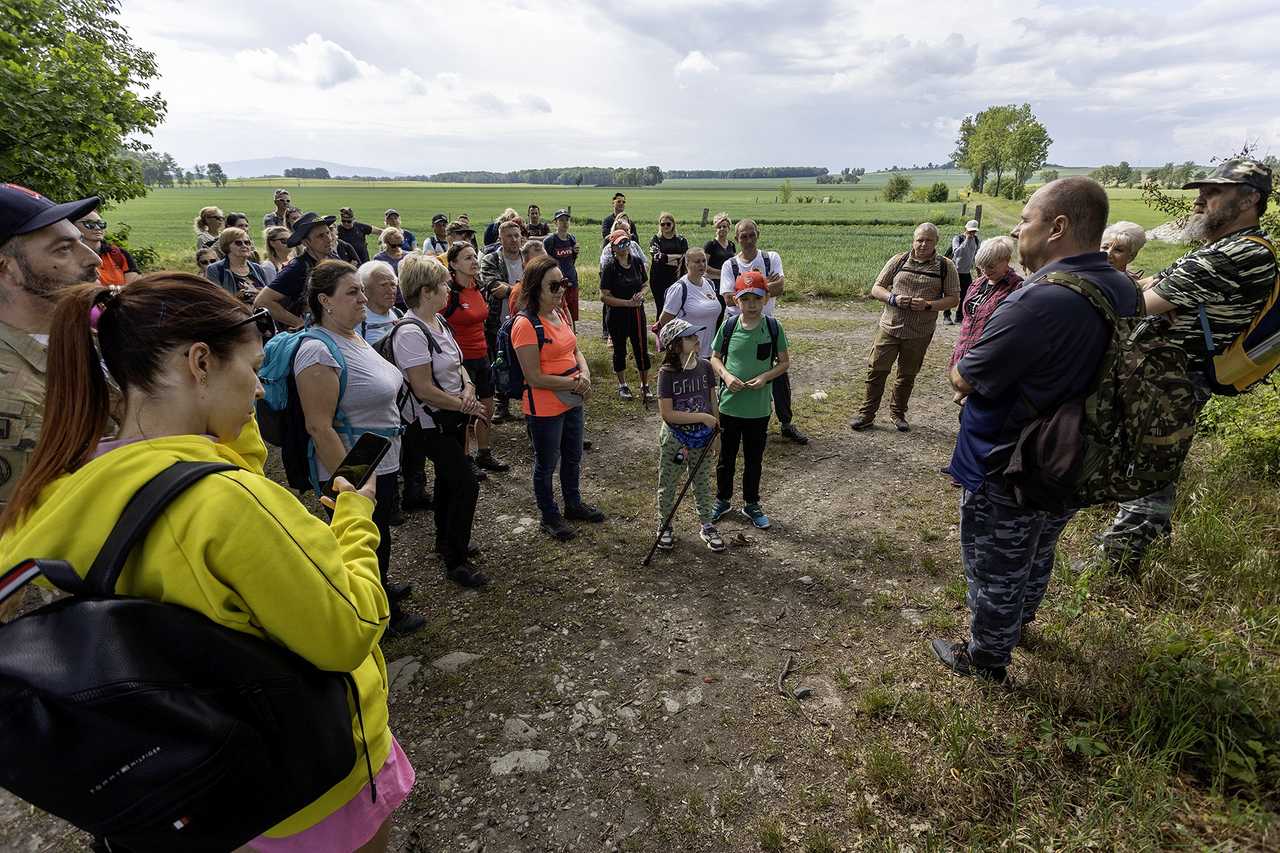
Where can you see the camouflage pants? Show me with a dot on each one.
(1139, 523)
(670, 475)
(1008, 555)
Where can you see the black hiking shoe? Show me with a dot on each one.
(403, 624)
(473, 550)
(955, 657)
(416, 502)
(584, 512)
(486, 460)
(466, 575)
(793, 433)
(557, 529)
(479, 473)
(399, 591)
(862, 422)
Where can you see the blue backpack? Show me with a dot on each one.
(508, 373)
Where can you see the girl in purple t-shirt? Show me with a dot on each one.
(690, 415)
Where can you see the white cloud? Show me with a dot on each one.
(696, 62)
(832, 83)
(314, 61)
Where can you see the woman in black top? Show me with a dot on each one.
(667, 249)
(719, 249)
(622, 291)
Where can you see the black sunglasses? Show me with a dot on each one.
(262, 318)
(554, 286)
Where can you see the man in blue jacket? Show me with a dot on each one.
(1042, 347)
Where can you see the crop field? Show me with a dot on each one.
(829, 250)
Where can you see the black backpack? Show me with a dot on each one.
(731, 325)
(151, 725)
(737, 270)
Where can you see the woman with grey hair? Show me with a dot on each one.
(997, 280)
(1122, 241)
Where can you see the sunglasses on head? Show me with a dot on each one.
(94, 224)
(262, 319)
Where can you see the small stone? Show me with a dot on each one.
(693, 696)
(576, 722)
(400, 673)
(525, 521)
(912, 617)
(628, 714)
(805, 580)
(505, 518)
(521, 761)
(610, 740)
(672, 706)
(517, 729)
(454, 661)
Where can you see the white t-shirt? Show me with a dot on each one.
(411, 350)
(701, 308)
(369, 401)
(376, 326)
(728, 279)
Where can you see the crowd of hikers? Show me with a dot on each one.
(136, 411)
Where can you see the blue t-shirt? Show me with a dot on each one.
(1040, 348)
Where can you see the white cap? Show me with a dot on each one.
(971, 225)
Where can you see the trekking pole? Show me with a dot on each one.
(642, 351)
(692, 472)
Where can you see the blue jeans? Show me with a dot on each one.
(557, 440)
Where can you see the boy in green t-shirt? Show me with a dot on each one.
(748, 353)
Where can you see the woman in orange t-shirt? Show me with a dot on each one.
(558, 383)
(466, 313)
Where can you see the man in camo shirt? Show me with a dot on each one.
(1230, 276)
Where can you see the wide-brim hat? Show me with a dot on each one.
(303, 227)
(24, 210)
(457, 227)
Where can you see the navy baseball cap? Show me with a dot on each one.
(439, 218)
(23, 211)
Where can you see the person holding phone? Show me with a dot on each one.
(237, 548)
(367, 404)
(622, 282)
(557, 384)
(443, 401)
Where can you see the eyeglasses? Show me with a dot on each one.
(94, 224)
(204, 262)
(248, 244)
(217, 218)
(264, 321)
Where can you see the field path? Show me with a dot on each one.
(611, 706)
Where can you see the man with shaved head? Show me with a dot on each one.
(1042, 347)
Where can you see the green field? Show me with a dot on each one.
(832, 249)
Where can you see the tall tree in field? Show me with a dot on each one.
(1027, 142)
(1124, 173)
(73, 90)
(217, 177)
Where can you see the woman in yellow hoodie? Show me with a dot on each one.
(236, 546)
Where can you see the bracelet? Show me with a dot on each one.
(893, 299)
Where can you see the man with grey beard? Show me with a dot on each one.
(1228, 280)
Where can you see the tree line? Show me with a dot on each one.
(846, 176)
(751, 172)
(156, 169)
(1005, 142)
(574, 176)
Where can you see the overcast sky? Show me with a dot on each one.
(703, 84)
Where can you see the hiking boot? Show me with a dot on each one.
(756, 516)
(711, 536)
(557, 529)
(399, 591)
(502, 411)
(862, 422)
(901, 423)
(486, 460)
(946, 318)
(476, 470)
(955, 657)
(666, 540)
(584, 512)
(466, 575)
(586, 444)
(792, 432)
(646, 396)
(625, 393)
(720, 510)
(397, 518)
(403, 624)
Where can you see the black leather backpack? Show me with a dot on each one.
(149, 724)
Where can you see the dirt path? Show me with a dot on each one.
(639, 707)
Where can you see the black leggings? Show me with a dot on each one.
(382, 509)
(627, 325)
(456, 490)
(752, 434)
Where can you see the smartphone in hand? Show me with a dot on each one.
(360, 462)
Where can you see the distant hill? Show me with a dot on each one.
(268, 166)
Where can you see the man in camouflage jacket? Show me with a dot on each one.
(1231, 276)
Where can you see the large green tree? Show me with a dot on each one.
(1002, 138)
(74, 90)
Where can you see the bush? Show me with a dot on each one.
(1249, 426)
(939, 192)
(144, 256)
(920, 195)
(897, 188)
(1011, 188)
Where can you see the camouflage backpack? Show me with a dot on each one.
(1126, 437)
